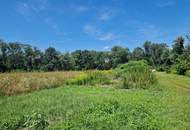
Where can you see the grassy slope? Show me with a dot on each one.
(103, 108)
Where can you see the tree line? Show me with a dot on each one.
(16, 56)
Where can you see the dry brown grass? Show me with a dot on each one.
(14, 83)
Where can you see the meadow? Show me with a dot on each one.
(81, 104)
(20, 82)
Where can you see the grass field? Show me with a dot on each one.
(15, 83)
(166, 106)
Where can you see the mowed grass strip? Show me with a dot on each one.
(18, 82)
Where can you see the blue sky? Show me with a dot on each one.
(68, 25)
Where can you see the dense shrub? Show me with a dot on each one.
(135, 74)
(91, 78)
(179, 69)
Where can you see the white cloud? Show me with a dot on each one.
(98, 34)
(150, 32)
(29, 7)
(165, 4)
(107, 37)
(54, 26)
(106, 14)
(82, 8)
(23, 9)
(88, 29)
(77, 8)
(106, 47)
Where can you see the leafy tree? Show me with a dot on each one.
(66, 61)
(83, 59)
(178, 47)
(3, 56)
(51, 60)
(102, 60)
(156, 54)
(137, 54)
(119, 55)
(29, 57)
(15, 56)
(38, 59)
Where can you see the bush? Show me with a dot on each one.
(180, 69)
(91, 78)
(187, 73)
(135, 74)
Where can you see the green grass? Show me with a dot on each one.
(74, 107)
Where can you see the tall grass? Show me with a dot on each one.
(14, 83)
(135, 74)
(93, 77)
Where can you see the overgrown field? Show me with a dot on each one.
(14, 83)
(165, 106)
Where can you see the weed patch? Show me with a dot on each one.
(91, 78)
(135, 74)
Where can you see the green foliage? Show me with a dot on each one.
(119, 55)
(179, 69)
(156, 54)
(113, 115)
(187, 73)
(35, 121)
(137, 54)
(178, 46)
(12, 124)
(91, 78)
(17, 56)
(135, 74)
(182, 64)
(73, 107)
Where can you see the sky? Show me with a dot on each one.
(69, 25)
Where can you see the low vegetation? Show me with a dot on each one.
(92, 78)
(135, 74)
(87, 107)
(14, 83)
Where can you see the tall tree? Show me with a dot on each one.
(137, 54)
(29, 57)
(66, 61)
(15, 56)
(119, 55)
(102, 60)
(83, 59)
(156, 54)
(51, 60)
(178, 46)
(3, 56)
